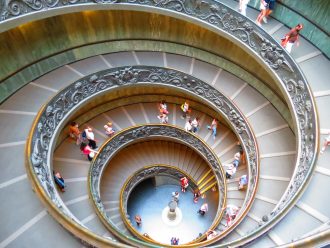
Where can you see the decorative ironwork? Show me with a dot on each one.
(140, 133)
(147, 172)
(240, 29)
(144, 173)
(65, 103)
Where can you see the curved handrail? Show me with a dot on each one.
(319, 239)
(242, 31)
(264, 48)
(152, 131)
(51, 119)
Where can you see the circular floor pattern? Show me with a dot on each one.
(174, 222)
(149, 202)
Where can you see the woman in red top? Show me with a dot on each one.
(184, 184)
(291, 37)
(87, 150)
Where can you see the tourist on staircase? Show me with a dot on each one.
(230, 171)
(184, 183)
(231, 213)
(74, 132)
(213, 127)
(88, 133)
(188, 126)
(138, 220)
(326, 143)
(195, 125)
(88, 151)
(243, 6)
(241, 151)
(109, 129)
(185, 109)
(174, 241)
(59, 181)
(291, 38)
(163, 107)
(203, 209)
(243, 182)
(197, 194)
(175, 196)
(237, 158)
(163, 118)
(210, 234)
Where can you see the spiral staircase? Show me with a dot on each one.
(25, 219)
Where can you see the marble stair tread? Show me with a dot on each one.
(35, 236)
(28, 99)
(58, 78)
(181, 63)
(248, 224)
(19, 206)
(82, 209)
(266, 188)
(69, 150)
(98, 228)
(151, 58)
(315, 196)
(12, 163)
(317, 79)
(90, 65)
(20, 122)
(119, 117)
(120, 59)
(323, 110)
(204, 71)
(71, 170)
(296, 218)
(279, 144)
(134, 111)
(77, 189)
(281, 166)
(267, 119)
(228, 84)
(249, 99)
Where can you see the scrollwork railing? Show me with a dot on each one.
(209, 14)
(152, 131)
(53, 117)
(147, 172)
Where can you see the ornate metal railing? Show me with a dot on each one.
(53, 116)
(147, 172)
(138, 134)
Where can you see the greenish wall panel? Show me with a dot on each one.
(34, 71)
(318, 11)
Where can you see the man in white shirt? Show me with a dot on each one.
(203, 209)
(91, 137)
(231, 170)
(188, 126)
